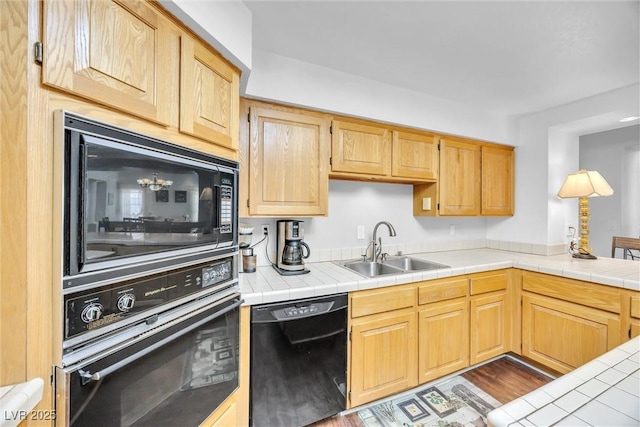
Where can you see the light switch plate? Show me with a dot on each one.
(426, 203)
(361, 232)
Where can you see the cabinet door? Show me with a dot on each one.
(360, 148)
(414, 155)
(383, 356)
(288, 162)
(563, 335)
(209, 95)
(117, 53)
(488, 327)
(459, 179)
(443, 339)
(497, 181)
(634, 327)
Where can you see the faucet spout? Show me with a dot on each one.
(377, 242)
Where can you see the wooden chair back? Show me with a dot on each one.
(626, 244)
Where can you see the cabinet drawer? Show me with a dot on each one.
(380, 300)
(489, 282)
(588, 294)
(440, 290)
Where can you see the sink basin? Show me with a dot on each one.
(412, 264)
(391, 266)
(372, 269)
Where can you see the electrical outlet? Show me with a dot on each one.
(265, 229)
(452, 230)
(360, 232)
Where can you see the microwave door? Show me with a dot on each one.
(74, 195)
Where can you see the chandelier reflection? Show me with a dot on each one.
(154, 183)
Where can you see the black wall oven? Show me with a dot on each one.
(133, 203)
(149, 278)
(172, 370)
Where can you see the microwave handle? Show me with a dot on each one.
(81, 205)
(87, 376)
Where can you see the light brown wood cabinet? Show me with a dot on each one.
(360, 148)
(457, 321)
(129, 56)
(382, 343)
(475, 178)
(488, 316)
(443, 343)
(209, 88)
(123, 54)
(368, 151)
(415, 155)
(497, 180)
(459, 181)
(566, 323)
(634, 316)
(284, 162)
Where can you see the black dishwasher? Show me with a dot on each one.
(298, 361)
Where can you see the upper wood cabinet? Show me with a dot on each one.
(209, 94)
(497, 180)
(368, 151)
(475, 178)
(415, 155)
(360, 148)
(284, 162)
(459, 181)
(123, 54)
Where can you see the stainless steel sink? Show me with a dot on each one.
(371, 269)
(412, 264)
(391, 266)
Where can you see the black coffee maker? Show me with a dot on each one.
(290, 248)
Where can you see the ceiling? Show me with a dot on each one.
(509, 57)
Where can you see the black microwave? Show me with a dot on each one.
(133, 204)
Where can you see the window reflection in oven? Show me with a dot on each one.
(178, 384)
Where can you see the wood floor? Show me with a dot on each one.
(504, 379)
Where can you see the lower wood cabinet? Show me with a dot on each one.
(444, 338)
(383, 355)
(488, 327)
(563, 335)
(634, 313)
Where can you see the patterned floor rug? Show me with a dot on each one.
(454, 402)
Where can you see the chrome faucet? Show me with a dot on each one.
(377, 243)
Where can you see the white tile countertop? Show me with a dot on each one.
(326, 278)
(603, 392)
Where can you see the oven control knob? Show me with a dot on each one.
(126, 301)
(91, 312)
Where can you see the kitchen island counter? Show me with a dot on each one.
(326, 278)
(603, 392)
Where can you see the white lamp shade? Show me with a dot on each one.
(585, 184)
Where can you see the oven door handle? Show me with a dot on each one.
(87, 376)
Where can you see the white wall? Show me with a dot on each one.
(281, 79)
(224, 24)
(543, 157)
(547, 151)
(616, 155)
(355, 203)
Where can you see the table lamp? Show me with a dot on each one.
(584, 184)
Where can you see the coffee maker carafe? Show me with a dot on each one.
(290, 248)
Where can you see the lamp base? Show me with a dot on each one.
(584, 256)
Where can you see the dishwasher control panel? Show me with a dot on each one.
(302, 310)
(297, 309)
